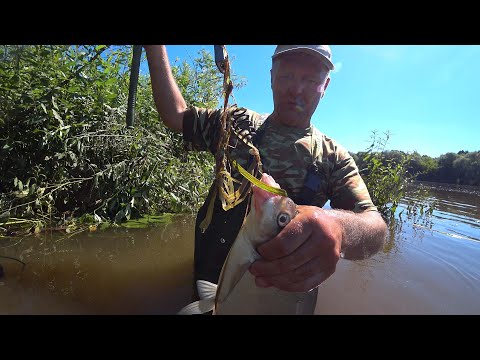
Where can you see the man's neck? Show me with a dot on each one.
(275, 119)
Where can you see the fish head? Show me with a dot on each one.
(270, 212)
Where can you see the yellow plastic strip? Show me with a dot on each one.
(257, 182)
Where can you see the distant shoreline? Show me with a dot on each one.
(448, 186)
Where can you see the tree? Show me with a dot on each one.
(65, 151)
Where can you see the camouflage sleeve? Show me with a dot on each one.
(347, 188)
(200, 128)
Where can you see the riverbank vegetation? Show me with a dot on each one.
(67, 158)
(461, 168)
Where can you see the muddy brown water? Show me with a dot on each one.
(426, 268)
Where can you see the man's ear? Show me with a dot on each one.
(326, 85)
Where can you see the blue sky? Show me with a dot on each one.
(427, 96)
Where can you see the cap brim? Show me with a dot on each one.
(326, 61)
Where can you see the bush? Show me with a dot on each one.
(65, 150)
(389, 181)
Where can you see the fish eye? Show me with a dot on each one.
(283, 219)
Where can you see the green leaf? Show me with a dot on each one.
(5, 216)
(110, 81)
(119, 216)
(55, 114)
(128, 211)
(54, 103)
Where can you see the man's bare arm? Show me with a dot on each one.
(363, 234)
(168, 99)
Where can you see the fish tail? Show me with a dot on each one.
(198, 307)
(206, 291)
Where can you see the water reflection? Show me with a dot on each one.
(123, 271)
(429, 265)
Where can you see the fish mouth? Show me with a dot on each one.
(267, 179)
(261, 195)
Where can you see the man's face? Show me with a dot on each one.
(299, 81)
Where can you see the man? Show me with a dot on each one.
(310, 166)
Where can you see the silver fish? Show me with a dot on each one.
(236, 292)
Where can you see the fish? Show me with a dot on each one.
(236, 292)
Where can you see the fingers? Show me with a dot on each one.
(306, 252)
(288, 240)
(289, 282)
(303, 255)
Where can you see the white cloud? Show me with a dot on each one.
(338, 67)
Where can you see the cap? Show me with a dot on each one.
(323, 52)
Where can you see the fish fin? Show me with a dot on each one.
(198, 307)
(206, 289)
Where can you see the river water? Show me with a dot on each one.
(430, 265)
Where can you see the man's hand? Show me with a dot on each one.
(303, 255)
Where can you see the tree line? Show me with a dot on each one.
(461, 168)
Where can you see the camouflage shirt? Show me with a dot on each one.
(286, 153)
